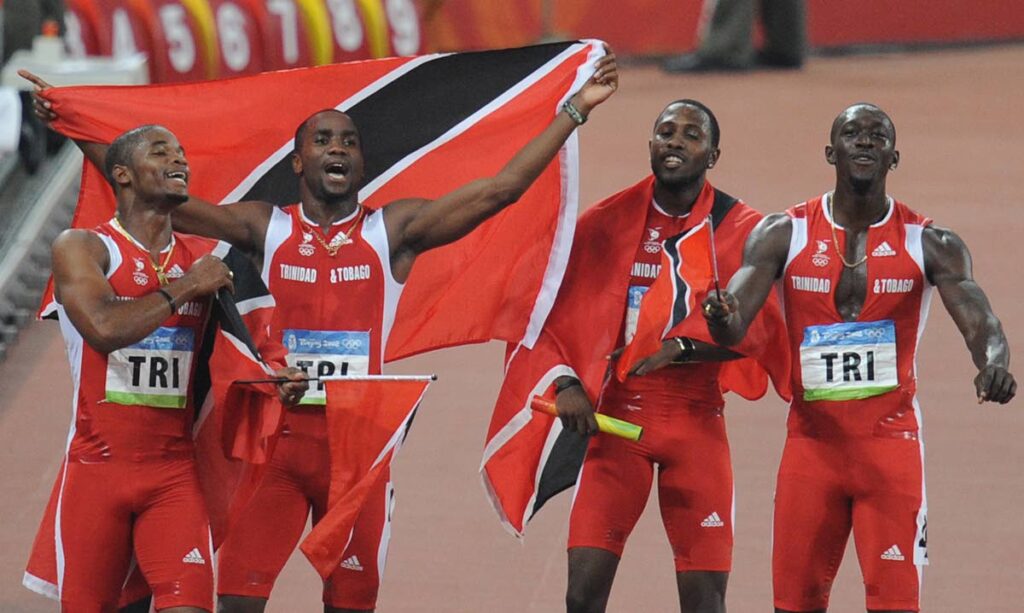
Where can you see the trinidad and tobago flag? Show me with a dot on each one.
(429, 125)
(368, 419)
(686, 272)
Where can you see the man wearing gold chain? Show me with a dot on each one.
(336, 270)
(133, 300)
(857, 268)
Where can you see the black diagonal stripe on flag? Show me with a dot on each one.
(680, 306)
(248, 285)
(412, 111)
(562, 467)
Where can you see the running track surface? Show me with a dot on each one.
(957, 116)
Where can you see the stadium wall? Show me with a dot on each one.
(659, 27)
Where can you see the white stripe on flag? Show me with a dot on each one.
(370, 188)
(246, 184)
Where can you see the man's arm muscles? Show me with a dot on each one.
(948, 267)
(105, 322)
(764, 256)
(243, 224)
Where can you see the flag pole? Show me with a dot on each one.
(344, 378)
(714, 261)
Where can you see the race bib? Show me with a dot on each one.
(153, 372)
(635, 295)
(849, 361)
(321, 353)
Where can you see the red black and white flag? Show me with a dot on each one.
(687, 271)
(429, 124)
(368, 419)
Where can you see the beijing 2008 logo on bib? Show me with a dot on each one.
(820, 259)
(139, 275)
(307, 247)
(652, 244)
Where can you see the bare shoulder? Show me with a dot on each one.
(78, 243)
(773, 231)
(940, 240)
(74, 250)
(946, 257)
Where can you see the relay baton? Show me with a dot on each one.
(606, 424)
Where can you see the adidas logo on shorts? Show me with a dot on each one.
(712, 521)
(883, 250)
(352, 564)
(193, 557)
(893, 553)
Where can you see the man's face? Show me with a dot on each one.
(158, 169)
(863, 148)
(330, 156)
(681, 149)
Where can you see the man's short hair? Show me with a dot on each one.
(838, 121)
(120, 151)
(716, 132)
(300, 132)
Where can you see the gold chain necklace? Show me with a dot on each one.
(835, 239)
(340, 239)
(159, 269)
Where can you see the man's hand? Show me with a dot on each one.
(575, 410)
(291, 392)
(600, 86)
(40, 105)
(719, 312)
(208, 274)
(661, 358)
(995, 384)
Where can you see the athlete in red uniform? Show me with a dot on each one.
(336, 271)
(679, 405)
(857, 269)
(133, 300)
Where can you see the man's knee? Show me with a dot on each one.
(702, 591)
(241, 604)
(591, 571)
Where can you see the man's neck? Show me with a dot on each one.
(678, 199)
(859, 208)
(150, 226)
(324, 213)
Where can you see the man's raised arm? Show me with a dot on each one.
(415, 226)
(948, 266)
(764, 256)
(242, 224)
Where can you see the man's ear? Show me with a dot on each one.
(121, 175)
(296, 163)
(716, 154)
(830, 155)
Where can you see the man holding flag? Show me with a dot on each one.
(133, 301)
(336, 269)
(671, 387)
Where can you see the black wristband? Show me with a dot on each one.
(686, 349)
(170, 299)
(561, 387)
